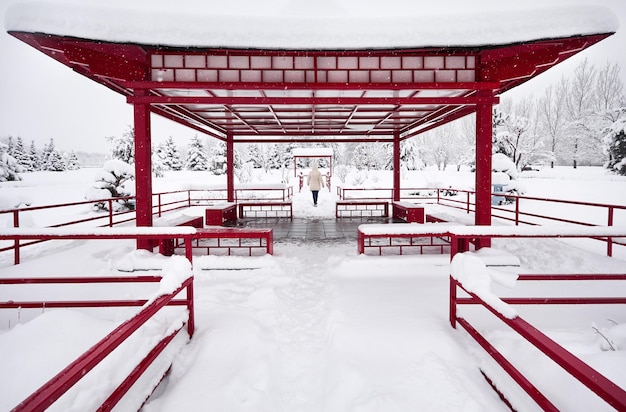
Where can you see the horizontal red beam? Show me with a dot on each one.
(354, 101)
(552, 301)
(312, 86)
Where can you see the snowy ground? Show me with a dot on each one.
(316, 326)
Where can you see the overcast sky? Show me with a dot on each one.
(42, 99)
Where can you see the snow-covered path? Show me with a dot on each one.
(321, 332)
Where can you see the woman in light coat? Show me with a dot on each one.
(315, 182)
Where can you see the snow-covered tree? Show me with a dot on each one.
(217, 159)
(72, 161)
(33, 156)
(410, 156)
(615, 144)
(113, 181)
(365, 156)
(196, 155)
(170, 155)
(123, 147)
(51, 159)
(517, 133)
(10, 146)
(158, 166)
(579, 104)
(9, 167)
(464, 153)
(552, 117)
(20, 154)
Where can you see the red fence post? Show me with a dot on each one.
(452, 302)
(609, 240)
(110, 212)
(16, 242)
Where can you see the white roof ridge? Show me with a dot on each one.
(202, 27)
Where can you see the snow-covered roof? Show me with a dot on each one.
(296, 25)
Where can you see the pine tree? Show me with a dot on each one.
(10, 146)
(113, 181)
(9, 167)
(72, 161)
(217, 161)
(56, 162)
(34, 157)
(123, 147)
(158, 165)
(19, 153)
(196, 155)
(45, 154)
(52, 160)
(170, 155)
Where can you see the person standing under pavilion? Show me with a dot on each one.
(315, 182)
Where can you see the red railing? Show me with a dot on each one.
(521, 210)
(162, 202)
(589, 377)
(179, 199)
(52, 390)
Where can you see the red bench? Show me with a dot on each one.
(409, 212)
(167, 246)
(397, 238)
(266, 208)
(360, 208)
(219, 213)
(227, 239)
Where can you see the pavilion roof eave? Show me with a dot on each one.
(284, 109)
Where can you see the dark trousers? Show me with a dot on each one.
(315, 193)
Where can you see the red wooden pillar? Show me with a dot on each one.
(230, 167)
(143, 167)
(483, 166)
(396, 165)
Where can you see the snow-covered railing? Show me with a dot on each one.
(200, 195)
(17, 235)
(470, 275)
(176, 278)
(520, 210)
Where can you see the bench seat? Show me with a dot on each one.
(217, 214)
(266, 208)
(225, 240)
(388, 238)
(167, 246)
(407, 211)
(361, 208)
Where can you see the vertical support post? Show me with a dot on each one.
(16, 242)
(396, 165)
(484, 132)
(143, 167)
(230, 167)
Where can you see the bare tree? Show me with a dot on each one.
(579, 102)
(552, 114)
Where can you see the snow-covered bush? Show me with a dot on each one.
(113, 181)
(504, 173)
